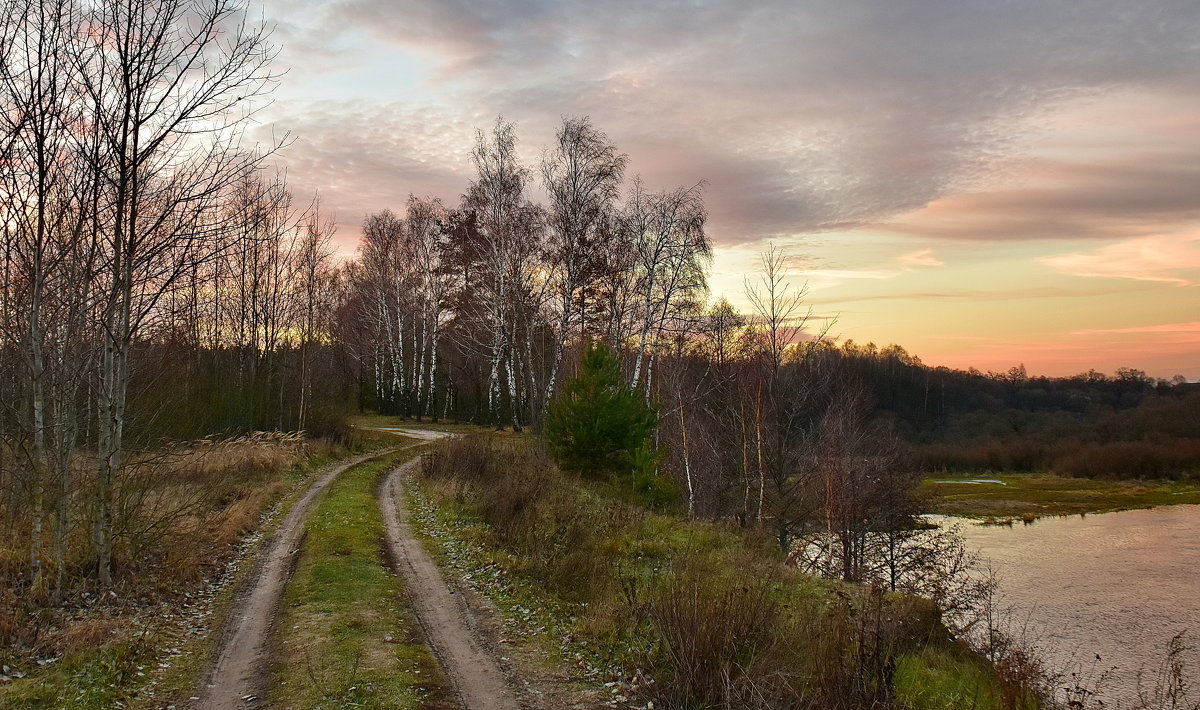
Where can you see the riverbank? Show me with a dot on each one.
(603, 602)
(1007, 498)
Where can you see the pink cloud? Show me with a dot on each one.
(1165, 258)
(922, 257)
(1193, 327)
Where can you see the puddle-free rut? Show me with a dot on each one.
(236, 678)
(473, 670)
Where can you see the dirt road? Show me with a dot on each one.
(445, 618)
(236, 677)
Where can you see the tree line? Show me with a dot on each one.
(472, 311)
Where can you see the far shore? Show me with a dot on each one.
(1003, 499)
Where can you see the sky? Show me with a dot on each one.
(984, 182)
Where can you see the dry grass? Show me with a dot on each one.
(180, 514)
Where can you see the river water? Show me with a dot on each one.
(1116, 584)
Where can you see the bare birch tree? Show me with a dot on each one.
(582, 175)
(510, 226)
(666, 231)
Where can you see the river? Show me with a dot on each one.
(1116, 584)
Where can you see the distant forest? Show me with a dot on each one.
(1125, 425)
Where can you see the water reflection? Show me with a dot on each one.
(1118, 584)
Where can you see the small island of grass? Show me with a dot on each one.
(1028, 496)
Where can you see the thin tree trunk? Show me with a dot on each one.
(758, 435)
(422, 401)
(745, 471)
(687, 465)
(431, 397)
(559, 349)
(494, 378)
(514, 402)
(647, 318)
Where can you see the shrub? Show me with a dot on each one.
(1132, 459)
(712, 614)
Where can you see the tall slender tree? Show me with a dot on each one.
(582, 174)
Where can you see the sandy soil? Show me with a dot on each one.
(237, 677)
(238, 673)
(448, 622)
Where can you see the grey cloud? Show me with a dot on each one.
(368, 158)
(802, 116)
(1147, 195)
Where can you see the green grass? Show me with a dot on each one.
(532, 623)
(1029, 496)
(945, 679)
(96, 678)
(348, 637)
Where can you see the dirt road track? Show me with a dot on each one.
(444, 615)
(235, 679)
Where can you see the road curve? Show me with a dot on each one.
(474, 671)
(236, 677)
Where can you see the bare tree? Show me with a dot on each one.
(45, 198)
(582, 175)
(778, 307)
(720, 328)
(511, 228)
(782, 326)
(425, 218)
(313, 276)
(385, 258)
(173, 84)
(666, 232)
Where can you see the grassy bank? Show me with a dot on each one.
(612, 602)
(347, 638)
(1028, 496)
(147, 642)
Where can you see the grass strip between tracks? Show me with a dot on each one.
(347, 636)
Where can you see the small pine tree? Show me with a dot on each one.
(600, 425)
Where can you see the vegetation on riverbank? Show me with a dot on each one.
(347, 636)
(1027, 496)
(678, 612)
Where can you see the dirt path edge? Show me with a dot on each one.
(475, 673)
(236, 678)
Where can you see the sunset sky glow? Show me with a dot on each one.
(985, 183)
